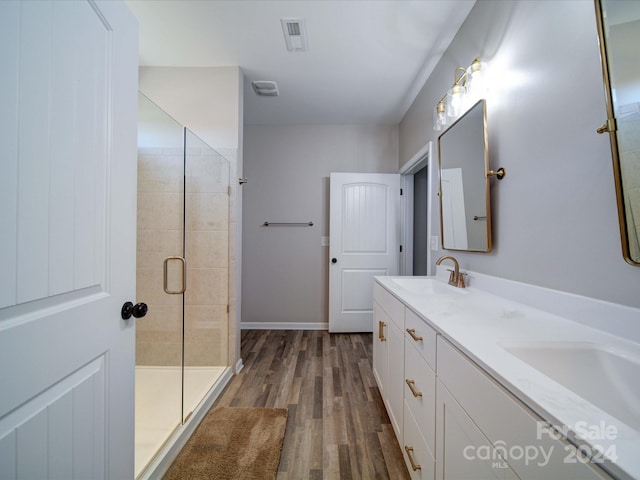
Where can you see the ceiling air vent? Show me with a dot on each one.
(265, 88)
(295, 34)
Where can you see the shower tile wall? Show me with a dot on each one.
(207, 253)
(160, 207)
(160, 210)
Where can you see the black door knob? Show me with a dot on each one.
(334, 260)
(138, 310)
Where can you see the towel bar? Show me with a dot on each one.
(297, 224)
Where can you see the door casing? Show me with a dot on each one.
(423, 158)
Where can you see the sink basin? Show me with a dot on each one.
(422, 285)
(600, 374)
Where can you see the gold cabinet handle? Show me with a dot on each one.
(411, 384)
(183, 287)
(381, 326)
(412, 332)
(409, 451)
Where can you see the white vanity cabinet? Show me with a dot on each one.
(451, 418)
(404, 369)
(484, 432)
(388, 354)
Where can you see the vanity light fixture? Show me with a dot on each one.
(469, 85)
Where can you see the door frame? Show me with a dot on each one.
(424, 157)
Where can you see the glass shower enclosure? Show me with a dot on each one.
(182, 274)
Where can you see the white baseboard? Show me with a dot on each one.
(239, 366)
(283, 326)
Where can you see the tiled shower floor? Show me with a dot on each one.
(158, 404)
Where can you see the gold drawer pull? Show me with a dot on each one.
(381, 326)
(412, 332)
(411, 384)
(409, 451)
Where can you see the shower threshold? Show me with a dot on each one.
(159, 404)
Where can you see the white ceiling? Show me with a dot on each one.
(366, 62)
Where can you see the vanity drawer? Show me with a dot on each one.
(421, 336)
(415, 449)
(420, 397)
(390, 304)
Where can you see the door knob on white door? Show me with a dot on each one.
(138, 310)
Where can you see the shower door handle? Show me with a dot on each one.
(183, 287)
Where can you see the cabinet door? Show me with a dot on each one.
(388, 365)
(394, 399)
(380, 348)
(463, 452)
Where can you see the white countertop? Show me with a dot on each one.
(481, 323)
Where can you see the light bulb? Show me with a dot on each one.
(455, 101)
(477, 80)
(439, 116)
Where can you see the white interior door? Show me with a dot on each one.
(68, 90)
(364, 242)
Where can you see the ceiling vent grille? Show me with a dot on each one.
(295, 34)
(265, 88)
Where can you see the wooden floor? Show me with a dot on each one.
(337, 427)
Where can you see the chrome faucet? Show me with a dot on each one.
(456, 278)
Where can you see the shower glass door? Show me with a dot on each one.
(182, 273)
(160, 237)
(207, 253)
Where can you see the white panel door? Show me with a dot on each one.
(364, 242)
(68, 90)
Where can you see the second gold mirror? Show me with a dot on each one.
(619, 30)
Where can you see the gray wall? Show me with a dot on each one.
(285, 269)
(555, 216)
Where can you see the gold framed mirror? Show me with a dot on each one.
(465, 213)
(619, 29)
